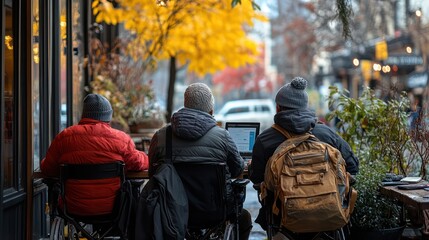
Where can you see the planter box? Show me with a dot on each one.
(142, 126)
(383, 234)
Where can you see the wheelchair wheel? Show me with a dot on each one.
(333, 235)
(57, 229)
(230, 232)
(72, 232)
(62, 231)
(339, 234)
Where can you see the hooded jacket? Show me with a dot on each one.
(92, 142)
(196, 138)
(296, 121)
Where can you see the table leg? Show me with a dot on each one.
(425, 228)
(403, 214)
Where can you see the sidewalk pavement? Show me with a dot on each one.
(252, 205)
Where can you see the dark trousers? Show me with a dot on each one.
(245, 224)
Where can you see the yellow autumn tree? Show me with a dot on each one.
(207, 35)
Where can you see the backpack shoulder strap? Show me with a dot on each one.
(282, 130)
(168, 145)
(295, 139)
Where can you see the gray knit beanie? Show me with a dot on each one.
(293, 95)
(199, 96)
(97, 107)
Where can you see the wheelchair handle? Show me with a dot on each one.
(257, 187)
(240, 182)
(136, 182)
(352, 180)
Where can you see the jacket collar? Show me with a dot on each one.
(91, 121)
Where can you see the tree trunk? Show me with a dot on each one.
(171, 83)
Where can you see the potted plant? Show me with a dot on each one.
(146, 112)
(122, 80)
(377, 133)
(106, 87)
(419, 133)
(133, 109)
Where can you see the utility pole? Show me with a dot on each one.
(407, 13)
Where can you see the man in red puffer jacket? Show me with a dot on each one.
(92, 141)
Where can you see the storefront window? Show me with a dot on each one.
(36, 83)
(7, 154)
(63, 64)
(78, 61)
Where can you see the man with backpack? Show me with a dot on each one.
(293, 116)
(196, 138)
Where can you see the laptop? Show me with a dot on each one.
(244, 136)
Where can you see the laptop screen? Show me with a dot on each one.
(244, 135)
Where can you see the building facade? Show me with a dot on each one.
(44, 71)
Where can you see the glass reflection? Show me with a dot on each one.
(36, 83)
(78, 61)
(63, 64)
(7, 155)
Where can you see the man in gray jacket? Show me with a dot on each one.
(197, 138)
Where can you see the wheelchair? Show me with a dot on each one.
(205, 185)
(273, 226)
(65, 225)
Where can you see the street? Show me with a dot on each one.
(252, 205)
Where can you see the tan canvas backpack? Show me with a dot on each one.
(309, 178)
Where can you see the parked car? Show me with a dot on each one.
(249, 110)
(63, 116)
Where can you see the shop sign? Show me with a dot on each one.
(366, 69)
(418, 79)
(404, 60)
(341, 62)
(381, 51)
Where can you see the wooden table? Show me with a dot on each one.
(141, 140)
(137, 175)
(418, 198)
(128, 175)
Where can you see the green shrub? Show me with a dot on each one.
(377, 132)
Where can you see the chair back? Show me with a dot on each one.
(88, 172)
(205, 185)
(105, 223)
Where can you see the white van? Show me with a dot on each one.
(249, 110)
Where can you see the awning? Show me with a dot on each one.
(403, 60)
(417, 79)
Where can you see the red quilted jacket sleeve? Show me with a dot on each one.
(50, 165)
(134, 159)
